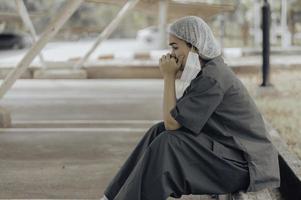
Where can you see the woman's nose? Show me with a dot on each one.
(173, 53)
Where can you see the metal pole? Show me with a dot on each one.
(107, 32)
(256, 28)
(266, 18)
(27, 21)
(51, 30)
(285, 34)
(163, 6)
(273, 23)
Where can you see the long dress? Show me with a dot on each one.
(221, 147)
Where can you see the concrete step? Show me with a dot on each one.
(59, 74)
(63, 163)
(58, 100)
(70, 130)
(41, 154)
(203, 197)
(124, 128)
(139, 68)
(69, 137)
(260, 195)
(83, 124)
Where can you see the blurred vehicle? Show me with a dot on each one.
(14, 41)
(149, 34)
(149, 37)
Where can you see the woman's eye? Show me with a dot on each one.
(175, 48)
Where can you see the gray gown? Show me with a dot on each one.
(221, 147)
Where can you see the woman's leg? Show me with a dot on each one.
(177, 163)
(122, 175)
(150, 178)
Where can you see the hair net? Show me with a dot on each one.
(195, 31)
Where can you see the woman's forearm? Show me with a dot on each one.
(169, 102)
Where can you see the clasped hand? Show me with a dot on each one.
(169, 66)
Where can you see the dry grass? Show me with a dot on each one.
(282, 105)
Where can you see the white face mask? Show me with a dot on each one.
(192, 68)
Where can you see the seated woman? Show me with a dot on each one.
(213, 138)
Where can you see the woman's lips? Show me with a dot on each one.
(181, 68)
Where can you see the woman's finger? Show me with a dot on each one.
(173, 58)
(168, 55)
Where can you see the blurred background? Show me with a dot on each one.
(240, 27)
(70, 118)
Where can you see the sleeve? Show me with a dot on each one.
(194, 109)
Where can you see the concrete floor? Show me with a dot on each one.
(61, 164)
(85, 99)
(70, 137)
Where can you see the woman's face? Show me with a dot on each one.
(179, 48)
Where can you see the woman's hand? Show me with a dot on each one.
(169, 66)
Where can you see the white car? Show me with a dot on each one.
(14, 41)
(149, 36)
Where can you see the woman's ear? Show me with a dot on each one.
(195, 49)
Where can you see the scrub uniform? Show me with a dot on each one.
(221, 147)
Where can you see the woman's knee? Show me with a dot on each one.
(159, 126)
(156, 129)
(165, 138)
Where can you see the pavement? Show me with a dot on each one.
(69, 137)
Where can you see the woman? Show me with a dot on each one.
(212, 140)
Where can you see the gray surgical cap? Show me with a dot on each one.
(195, 31)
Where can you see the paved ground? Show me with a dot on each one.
(69, 137)
(85, 99)
(86, 130)
(61, 164)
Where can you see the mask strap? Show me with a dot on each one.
(196, 53)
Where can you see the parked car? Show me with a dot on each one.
(149, 34)
(14, 41)
(149, 37)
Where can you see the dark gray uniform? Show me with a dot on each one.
(222, 146)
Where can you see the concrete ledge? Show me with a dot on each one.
(59, 74)
(290, 168)
(5, 71)
(203, 197)
(123, 72)
(5, 119)
(138, 68)
(260, 195)
(83, 124)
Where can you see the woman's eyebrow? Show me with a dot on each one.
(172, 43)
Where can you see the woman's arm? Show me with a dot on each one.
(169, 102)
(169, 68)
